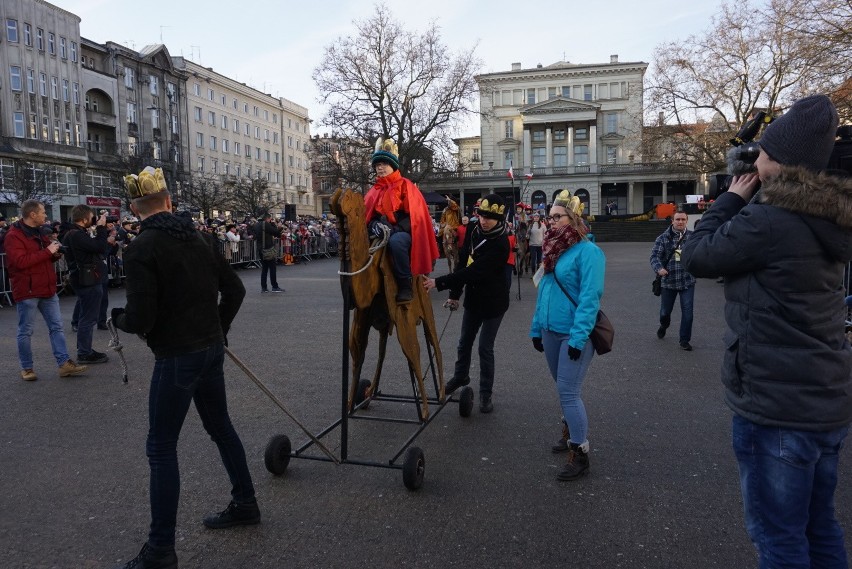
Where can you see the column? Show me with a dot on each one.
(527, 149)
(665, 192)
(570, 140)
(548, 140)
(629, 198)
(593, 148)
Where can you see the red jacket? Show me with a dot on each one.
(30, 263)
(394, 193)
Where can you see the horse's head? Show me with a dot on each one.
(348, 207)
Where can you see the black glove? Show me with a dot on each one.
(574, 353)
(225, 335)
(539, 347)
(374, 230)
(115, 314)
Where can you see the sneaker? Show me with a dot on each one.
(562, 444)
(661, 332)
(485, 405)
(234, 515)
(577, 464)
(153, 558)
(28, 374)
(93, 357)
(686, 346)
(454, 384)
(69, 369)
(264, 290)
(276, 289)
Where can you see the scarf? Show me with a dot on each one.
(557, 240)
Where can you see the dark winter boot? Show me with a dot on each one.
(403, 290)
(153, 558)
(577, 464)
(562, 444)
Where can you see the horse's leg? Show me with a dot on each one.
(406, 333)
(383, 344)
(358, 338)
(430, 333)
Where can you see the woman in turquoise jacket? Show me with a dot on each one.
(574, 266)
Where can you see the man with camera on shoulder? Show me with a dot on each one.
(787, 366)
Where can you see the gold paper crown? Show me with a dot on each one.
(569, 202)
(386, 145)
(149, 181)
(498, 209)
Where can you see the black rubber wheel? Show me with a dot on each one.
(361, 393)
(466, 401)
(277, 455)
(413, 468)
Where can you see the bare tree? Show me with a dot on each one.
(251, 196)
(205, 193)
(387, 81)
(747, 61)
(28, 181)
(341, 163)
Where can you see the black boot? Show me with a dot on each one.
(403, 290)
(577, 464)
(153, 558)
(454, 384)
(485, 405)
(234, 515)
(562, 444)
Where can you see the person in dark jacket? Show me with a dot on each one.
(481, 275)
(787, 367)
(30, 255)
(266, 234)
(676, 281)
(174, 281)
(85, 251)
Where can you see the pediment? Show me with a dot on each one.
(560, 105)
(508, 142)
(612, 136)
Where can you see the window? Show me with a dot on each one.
(66, 93)
(18, 120)
(256, 111)
(566, 92)
(45, 129)
(530, 96)
(245, 108)
(611, 154)
(247, 129)
(54, 88)
(74, 51)
(587, 92)
(68, 133)
(551, 92)
(290, 161)
(12, 37)
(211, 118)
(248, 172)
(236, 125)
(277, 158)
(275, 137)
(289, 123)
(226, 168)
(239, 170)
(615, 90)
(603, 91)
(274, 118)
(298, 144)
(257, 132)
(611, 123)
(31, 81)
(76, 93)
(40, 39)
(508, 158)
(235, 104)
(129, 77)
(581, 133)
(15, 80)
(201, 163)
(581, 154)
(56, 132)
(476, 155)
(510, 129)
(257, 152)
(539, 157)
(199, 139)
(77, 136)
(63, 49)
(214, 165)
(171, 90)
(226, 145)
(248, 151)
(538, 136)
(155, 118)
(196, 113)
(51, 43)
(174, 124)
(212, 143)
(196, 89)
(28, 35)
(225, 122)
(224, 100)
(560, 156)
(290, 141)
(237, 148)
(131, 112)
(559, 134)
(265, 115)
(154, 85)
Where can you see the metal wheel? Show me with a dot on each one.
(413, 468)
(277, 455)
(361, 393)
(466, 401)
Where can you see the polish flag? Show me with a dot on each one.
(511, 173)
(529, 176)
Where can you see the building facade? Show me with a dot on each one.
(564, 126)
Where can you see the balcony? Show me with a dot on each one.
(30, 147)
(102, 119)
(561, 171)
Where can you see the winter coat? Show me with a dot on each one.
(174, 279)
(484, 279)
(580, 269)
(82, 249)
(787, 362)
(664, 250)
(29, 262)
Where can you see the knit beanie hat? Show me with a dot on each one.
(385, 151)
(804, 135)
(492, 206)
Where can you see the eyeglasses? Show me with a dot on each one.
(556, 217)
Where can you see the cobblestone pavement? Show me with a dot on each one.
(662, 492)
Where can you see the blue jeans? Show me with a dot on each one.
(788, 479)
(49, 308)
(667, 299)
(569, 375)
(89, 298)
(535, 257)
(487, 328)
(399, 245)
(270, 268)
(195, 377)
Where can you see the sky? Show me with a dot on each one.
(274, 45)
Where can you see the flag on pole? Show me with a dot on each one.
(529, 176)
(511, 173)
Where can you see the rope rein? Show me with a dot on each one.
(372, 251)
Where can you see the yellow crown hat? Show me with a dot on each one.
(492, 206)
(569, 202)
(149, 181)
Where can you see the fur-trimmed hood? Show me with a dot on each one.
(823, 200)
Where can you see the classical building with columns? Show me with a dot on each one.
(565, 126)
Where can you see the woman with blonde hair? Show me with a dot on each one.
(570, 284)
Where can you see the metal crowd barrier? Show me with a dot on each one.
(245, 253)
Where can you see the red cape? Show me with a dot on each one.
(393, 193)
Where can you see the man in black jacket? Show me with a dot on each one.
(174, 282)
(481, 274)
(86, 256)
(266, 234)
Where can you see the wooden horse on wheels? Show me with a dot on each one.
(373, 291)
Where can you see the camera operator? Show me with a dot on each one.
(787, 365)
(86, 257)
